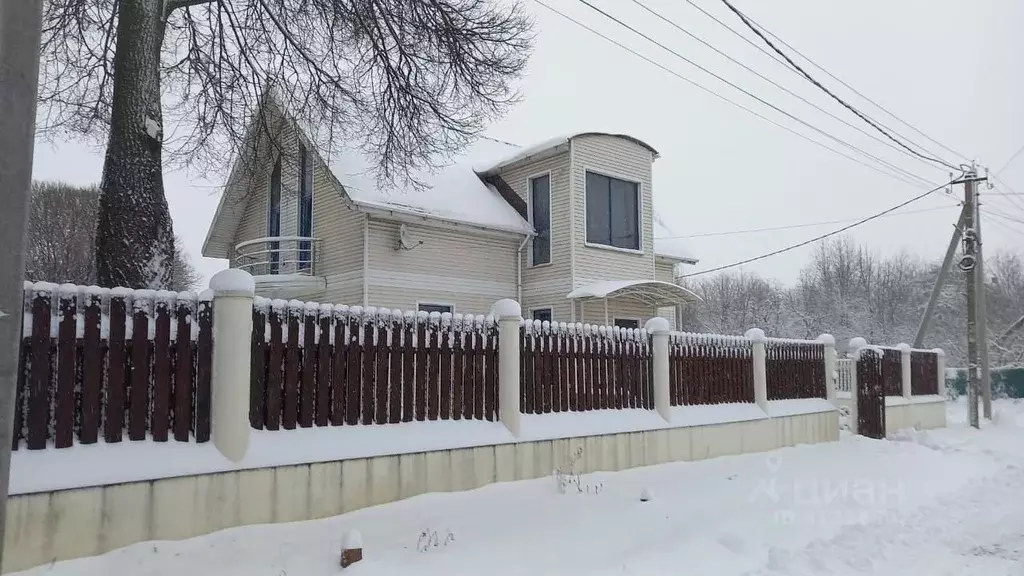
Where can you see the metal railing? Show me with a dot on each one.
(278, 255)
(844, 375)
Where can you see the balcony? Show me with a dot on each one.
(282, 266)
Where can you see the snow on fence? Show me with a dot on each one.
(120, 360)
(710, 369)
(924, 372)
(323, 364)
(578, 367)
(795, 369)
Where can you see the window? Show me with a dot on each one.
(274, 217)
(542, 314)
(627, 323)
(439, 308)
(613, 212)
(305, 209)
(540, 217)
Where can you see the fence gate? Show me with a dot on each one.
(870, 391)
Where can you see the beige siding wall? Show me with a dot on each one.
(458, 267)
(593, 311)
(546, 286)
(619, 158)
(254, 219)
(664, 272)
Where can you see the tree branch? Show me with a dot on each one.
(171, 5)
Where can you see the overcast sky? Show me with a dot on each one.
(950, 68)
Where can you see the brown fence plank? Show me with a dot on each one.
(368, 381)
(64, 401)
(183, 372)
(490, 372)
(421, 368)
(381, 392)
(275, 385)
(204, 371)
(92, 369)
(257, 368)
(307, 382)
(160, 414)
(339, 359)
(113, 411)
(408, 367)
(354, 373)
(323, 368)
(479, 334)
(556, 369)
(446, 369)
(138, 392)
(397, 353)
(526, 369)
(290, 398)
(458, 369)
(38, 412)
(433, 368)
(469, 383)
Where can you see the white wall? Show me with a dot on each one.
(53, 526)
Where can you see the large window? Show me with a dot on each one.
(613, 212)
(274, 217)
(305, 208)
(540, 216)
(439, 308)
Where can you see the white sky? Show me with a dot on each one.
(946, 66)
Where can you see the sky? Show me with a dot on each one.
(946, 67)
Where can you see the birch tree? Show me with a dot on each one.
(407, 81)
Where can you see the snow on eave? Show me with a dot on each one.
(675, 258)
(403, 213)
(553, 146)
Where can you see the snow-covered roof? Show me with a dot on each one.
(455, 192)
(652, 292)
(667, 246)
(551, 146)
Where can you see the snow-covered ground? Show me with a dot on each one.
(948, 501)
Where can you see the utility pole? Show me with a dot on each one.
(20, 32)
(986, 380)
(968, 264)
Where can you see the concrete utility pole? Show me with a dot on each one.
(969, 265)
(986, 380)
(20, 32)
(933, 301)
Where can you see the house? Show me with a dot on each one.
(566, 227)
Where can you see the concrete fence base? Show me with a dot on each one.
(54, 526)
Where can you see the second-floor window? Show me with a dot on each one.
(613, 212)
(305, 259)
(274, 217)
(540, 217)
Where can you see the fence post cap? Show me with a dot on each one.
(857, 343)
(827, 339)
(657, 325)
(755, 334)
(869, 350)
(507, 309)
(938, 352)
(903, 347)
(233, 282)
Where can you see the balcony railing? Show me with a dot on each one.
(278, 255)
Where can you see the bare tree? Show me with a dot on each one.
(61, 238)
(408, 81)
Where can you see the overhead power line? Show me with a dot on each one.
(1010, 161)
(831, 75)
(707, 44)
(739, 88)
(845, 104)
(819, 238)
(797, 226)
(917, 179)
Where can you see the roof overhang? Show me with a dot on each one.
(651, 292)
(675, 259)
(554, 147)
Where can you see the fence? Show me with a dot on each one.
(120, 361)
(924, 372)
(320, 364)
(844, 375)
(795, 369)
(892, 371)
(710, 369)
(577, 367)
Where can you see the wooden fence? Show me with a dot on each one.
(892, 371)
(706, 369)
(120, 361)
(577, 367)
(321, 364)
(924, 372)
(795, 369)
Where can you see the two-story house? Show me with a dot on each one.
(566, 227)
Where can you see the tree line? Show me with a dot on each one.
(847, 290)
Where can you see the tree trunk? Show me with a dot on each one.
(134, 237)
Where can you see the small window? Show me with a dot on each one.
(540, 217)
(439, 308)
(627, 323)
(613, 212)
(542, 314)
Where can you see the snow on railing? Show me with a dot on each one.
(94, 356)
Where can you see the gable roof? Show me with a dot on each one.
(554, 146)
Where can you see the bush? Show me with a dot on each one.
(1007, 382)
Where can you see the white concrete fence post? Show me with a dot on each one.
(905, 372)
(760, 357)
(659, 330)
(855, 346)
(509, 316)
(941, 369)
(233, 293)
(830, 366)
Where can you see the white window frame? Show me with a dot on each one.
(636, 319)
(312, 192)
(450, 305)
(550, 309)
(639, 207)
(529, 214)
